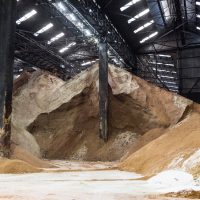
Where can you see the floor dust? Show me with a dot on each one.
(23, 155)
(80, 185)
(16, 167)
(185, 194)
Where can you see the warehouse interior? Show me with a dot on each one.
(99, 99)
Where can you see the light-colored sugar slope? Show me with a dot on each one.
(181, 140)
(62, 118)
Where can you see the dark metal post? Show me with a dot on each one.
(103, 89)
(7, 33)
(178, 66)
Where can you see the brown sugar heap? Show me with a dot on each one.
(62, 121)
(181, 140)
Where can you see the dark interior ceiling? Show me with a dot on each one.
(173, 16)
(84, 23)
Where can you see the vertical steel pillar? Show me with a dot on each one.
(103, 90)
(7, 33)
(178, 65)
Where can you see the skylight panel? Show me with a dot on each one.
(198, 3)
(67, 47)
(165, 8)
(141, 14)
(149, 37)
(144, 26)
(126, 6)
(61, 6)
(44, 29)
(26, 16)
(57, 37)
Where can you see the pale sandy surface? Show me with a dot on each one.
(86, 184)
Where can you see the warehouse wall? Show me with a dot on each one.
(190, 73)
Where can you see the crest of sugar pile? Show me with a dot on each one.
(186, 164)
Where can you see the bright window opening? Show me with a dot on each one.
(166, 10)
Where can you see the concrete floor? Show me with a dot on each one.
(81, 184)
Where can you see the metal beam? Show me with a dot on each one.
(194, 85)
(7, 31)
(103, 90)
(99, 22)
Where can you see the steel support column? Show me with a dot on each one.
(103, 90)
(7, 33)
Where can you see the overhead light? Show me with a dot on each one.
(42, 30)
(169, 82)
(144, 12)
(198, 16)
(126, 6)
(156, 63)
(174, 90)
(144, 26)
(159, 63)
(149, 37)
(172, 87)
(167, 64)
(198, 28)
(169, 77)
(198, 3)
(26, 16)
(67, 47)
(57, 37)
(163, 70)
(88, 63)
(163, 55)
